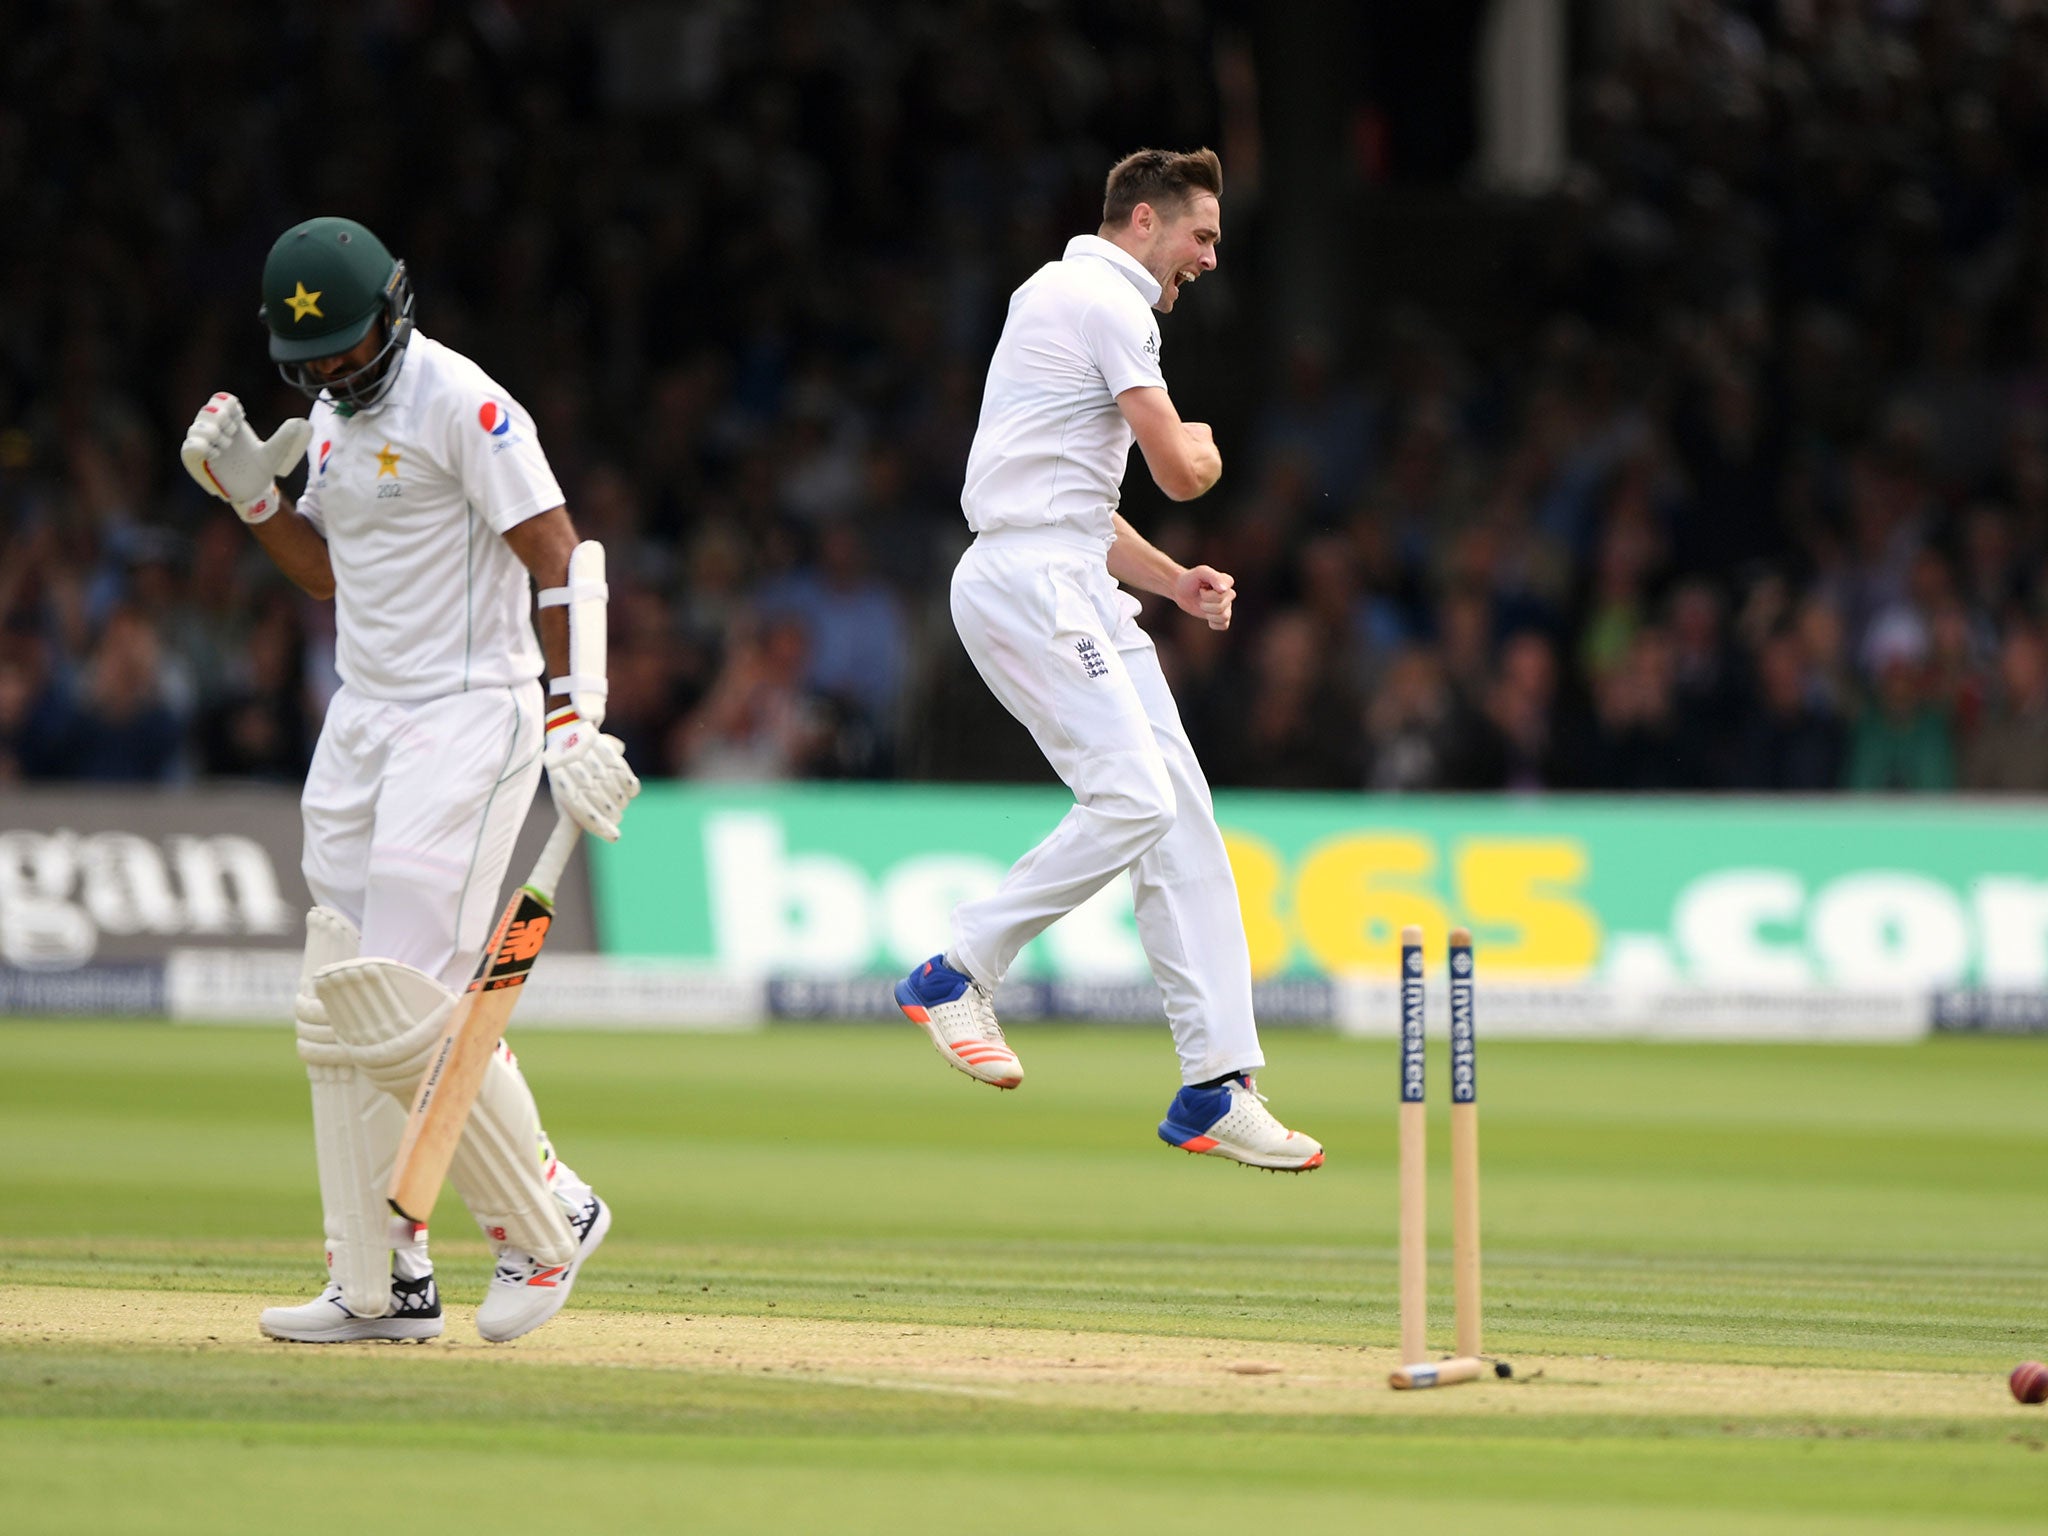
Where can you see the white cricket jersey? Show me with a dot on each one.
(1052, 446)
(413, 497)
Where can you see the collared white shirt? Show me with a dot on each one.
(1052, 446)
(413, 498)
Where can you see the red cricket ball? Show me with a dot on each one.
(2030, 1382)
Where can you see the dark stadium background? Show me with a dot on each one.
(1709, 452)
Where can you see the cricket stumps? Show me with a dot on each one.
(1467, 1365)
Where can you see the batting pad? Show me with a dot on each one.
(390, 1016)
(356, 1130)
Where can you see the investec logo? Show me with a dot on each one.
(61, 891)
(1464, 1074)
(1411, 1025)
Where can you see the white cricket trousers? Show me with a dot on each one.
(1057, 640)
(410, 812)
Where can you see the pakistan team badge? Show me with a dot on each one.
(387, 464)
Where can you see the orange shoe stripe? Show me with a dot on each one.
(1199, 1143)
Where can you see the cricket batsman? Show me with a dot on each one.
(1075, 379)
(428, 505)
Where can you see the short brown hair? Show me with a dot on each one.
(1161, 177)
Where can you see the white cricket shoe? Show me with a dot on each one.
(1232, 1121)
(524, 1293)
(415, 1315)
(960, 1016)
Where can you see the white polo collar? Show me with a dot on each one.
(1118, 257)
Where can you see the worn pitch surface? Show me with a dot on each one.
(1052, 1367)
(1755, 1288)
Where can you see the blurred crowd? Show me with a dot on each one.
(1737, 481)
(1755, 497)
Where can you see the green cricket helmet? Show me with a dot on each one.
(326, 284)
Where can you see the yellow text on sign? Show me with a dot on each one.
(1343, 907)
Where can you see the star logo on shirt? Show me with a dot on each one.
(304, 304)
(387, 462)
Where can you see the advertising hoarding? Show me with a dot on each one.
(1591, 915)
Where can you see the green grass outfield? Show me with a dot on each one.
(1766, 1289)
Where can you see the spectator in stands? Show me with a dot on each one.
(1409, 739)
(1327, 579)
(857, 640)
(1734, 455)
(1705, 690)
(1792, 738)
(206, 620)
(1640, 741)
(1300, 727)
(1830, 682)
(1902, 741)
(1523, 710)
(1618, 606)
(256, 728)
(31, 712)
(1750, 342)
(758, 721)
(1387, 602)
(1465, 642)
(1528, 571)
(1321, 420)
(121, 730)
(2009, 753)
(658, 667)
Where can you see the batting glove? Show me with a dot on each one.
(587, 774)
(225, 456)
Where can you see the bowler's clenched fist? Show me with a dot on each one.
(1207, 593)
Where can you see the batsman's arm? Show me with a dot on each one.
(226, 459)
(543, 544)
(298, 550)
(587, 771)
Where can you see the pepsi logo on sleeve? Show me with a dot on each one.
(495, 417)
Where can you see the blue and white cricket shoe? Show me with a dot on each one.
(1232, 1121)
(960, 1016)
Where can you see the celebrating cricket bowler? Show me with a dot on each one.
(428, 504)
(1075, 379)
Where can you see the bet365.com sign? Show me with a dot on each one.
(1869, 895)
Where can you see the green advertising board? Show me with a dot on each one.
(1861, 894)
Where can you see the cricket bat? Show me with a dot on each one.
(455, 1070)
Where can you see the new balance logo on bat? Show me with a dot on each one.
(523, 940)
